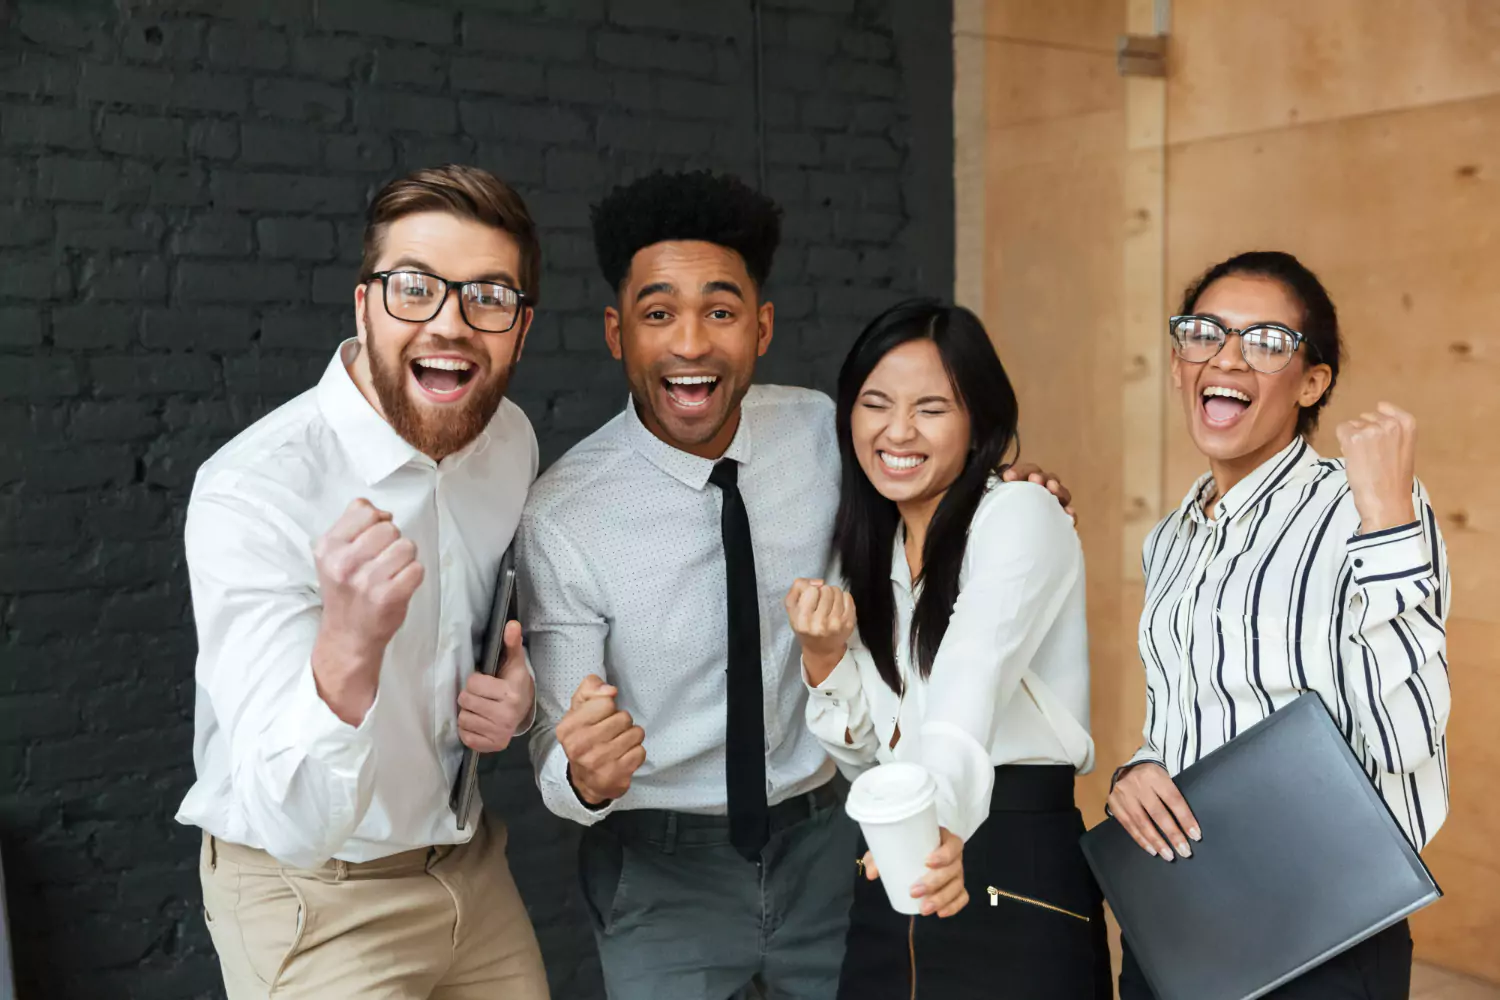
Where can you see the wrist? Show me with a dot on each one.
(1385, 513)
(347, 675)
(583, 793)
(820, 663)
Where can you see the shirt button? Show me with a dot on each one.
(447, 562)
(1358, 563)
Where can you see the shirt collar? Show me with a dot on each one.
(373, 446)
(1247, 494)
(686, 468)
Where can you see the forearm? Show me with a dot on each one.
(1398, 641)
(838, 712)
(346, 672)
(302, 777)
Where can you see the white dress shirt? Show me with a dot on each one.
(1010, 683)
(276, 769)
(622, 576)
(1280, 594)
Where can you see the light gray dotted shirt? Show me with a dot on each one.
(621, 566)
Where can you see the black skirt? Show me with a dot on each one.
(1033, 929)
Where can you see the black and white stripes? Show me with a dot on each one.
(1277, 595)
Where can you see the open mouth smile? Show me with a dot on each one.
(443, 379)
(690, 392)
(1223, 406)
(901, 464)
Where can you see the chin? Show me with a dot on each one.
(1225, 446)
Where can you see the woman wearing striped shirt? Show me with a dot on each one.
(1283, 572)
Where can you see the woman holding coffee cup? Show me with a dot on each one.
(970, 660)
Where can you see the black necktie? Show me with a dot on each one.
(745, 750)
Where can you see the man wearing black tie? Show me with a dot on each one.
(653, 560)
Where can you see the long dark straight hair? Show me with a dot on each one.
(865, 532)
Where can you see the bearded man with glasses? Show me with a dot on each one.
(342, 553)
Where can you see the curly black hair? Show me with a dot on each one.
(696, 205)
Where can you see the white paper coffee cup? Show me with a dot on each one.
(895, 805)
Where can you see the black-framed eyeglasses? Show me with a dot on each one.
(416, 297)
(1266, 347)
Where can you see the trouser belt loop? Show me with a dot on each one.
(669, 838)
(340, 870)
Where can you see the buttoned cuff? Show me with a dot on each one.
(561, 798)
(1392, 554)
(840, 687)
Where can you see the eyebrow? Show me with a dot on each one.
(924, 400)
(501, 276)
(709, 288)
(724, 286)
(654, 288)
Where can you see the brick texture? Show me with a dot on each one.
(181, 189)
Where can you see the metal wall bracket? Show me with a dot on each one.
(1141, 55)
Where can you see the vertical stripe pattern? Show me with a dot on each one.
(1279, 594)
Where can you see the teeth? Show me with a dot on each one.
(692, 379)
(1220, 390)
(446, 364)
(903, 462)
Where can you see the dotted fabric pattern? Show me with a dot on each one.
(623, 573)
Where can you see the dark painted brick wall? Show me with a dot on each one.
(181, 185)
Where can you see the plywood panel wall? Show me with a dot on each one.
(1052, 226)
(1370, 147)
(1362, 135)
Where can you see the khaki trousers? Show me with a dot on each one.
(444, 923)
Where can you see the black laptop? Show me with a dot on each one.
(1300, 860)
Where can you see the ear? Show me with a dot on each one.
(612, 331)
(527, 315)
(359, 314)
(1315, 382)
(1177, 374)
(765, 321)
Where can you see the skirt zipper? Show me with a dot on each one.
(995, 895)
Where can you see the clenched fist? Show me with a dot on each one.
(1380, 462)
(822, 617)
(491, 709)
(603, 744)
(367, 573)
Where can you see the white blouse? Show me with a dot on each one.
(1010, 684)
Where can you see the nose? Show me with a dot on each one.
(450, 322)
(690, 340)
(901, 428)
(1231, 356)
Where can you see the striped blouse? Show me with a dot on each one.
(1278, 595)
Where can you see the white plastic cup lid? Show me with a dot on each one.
(890, 793)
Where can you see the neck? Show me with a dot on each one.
(916, 518)
(364, 381)
(1229, 473)
(713, 449)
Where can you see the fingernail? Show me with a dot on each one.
(1166, 854)
(1193, 832)
(1151, 851)
(1184, 850)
